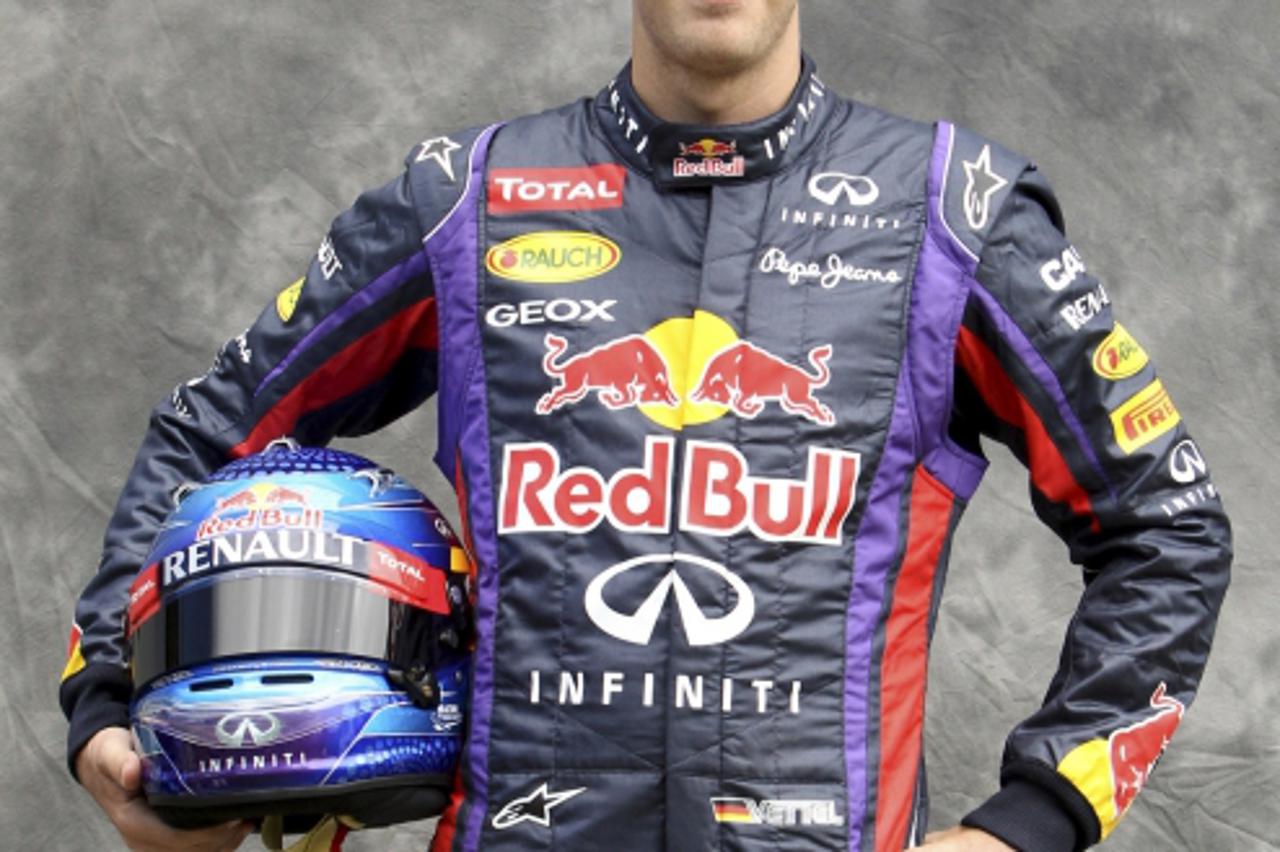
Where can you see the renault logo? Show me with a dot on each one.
(240, 730)
(699, 628)
(857, 190)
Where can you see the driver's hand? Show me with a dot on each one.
(963, 840)
(110, 770)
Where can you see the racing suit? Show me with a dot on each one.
(711, 400)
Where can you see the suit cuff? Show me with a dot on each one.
(1037, 810)
(95, 698)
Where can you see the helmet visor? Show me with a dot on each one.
(281, 609)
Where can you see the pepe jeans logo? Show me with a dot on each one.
(775, 261)
(247, 729)
(699, 628)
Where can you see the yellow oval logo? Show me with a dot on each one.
(553, 257)
(1118, 356)
(287, 300)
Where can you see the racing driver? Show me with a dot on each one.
(712, 351)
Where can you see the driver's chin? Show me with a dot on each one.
(716, 41)
(718, 46)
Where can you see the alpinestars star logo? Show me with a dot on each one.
(981, 183)
(535, 807)
(441, 150)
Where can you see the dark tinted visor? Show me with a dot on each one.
(281, 609)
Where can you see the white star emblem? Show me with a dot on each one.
(981, 184)
(441, 150)
(535, 807)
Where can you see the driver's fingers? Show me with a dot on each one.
(143, 830)
(116, 760)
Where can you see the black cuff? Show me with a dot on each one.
(1037, 810)
(95, 698)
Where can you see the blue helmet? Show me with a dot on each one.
(299, 641)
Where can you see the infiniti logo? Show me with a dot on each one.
(858, 190)
(1186, 464)
(699, 628)
(239, 730)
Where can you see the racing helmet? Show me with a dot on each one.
(299, 646)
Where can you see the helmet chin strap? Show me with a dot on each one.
(325, 836)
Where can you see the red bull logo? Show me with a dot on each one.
(263, 505)
(623, 373)
(743, 376)
(719, 494)
(1111, 772)
(686, 371)
(709, 158)
(708, 148)
(1134, 750)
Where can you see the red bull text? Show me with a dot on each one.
(719, 496)
(709, 158)
(261, 508)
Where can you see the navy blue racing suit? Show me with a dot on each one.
(711, 399)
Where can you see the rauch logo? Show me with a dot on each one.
(553, 257)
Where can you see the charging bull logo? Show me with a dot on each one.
(708, 148)
(686, 371)
(1111, 772)
(1134, 750)
(249, 499)
(624, 372)
(742, 376)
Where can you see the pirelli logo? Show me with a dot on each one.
(1143, 417)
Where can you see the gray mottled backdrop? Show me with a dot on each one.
(167, 166)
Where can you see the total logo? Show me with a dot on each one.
(596, 187)
(686, 370)
(553, 257)
(709, 158)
